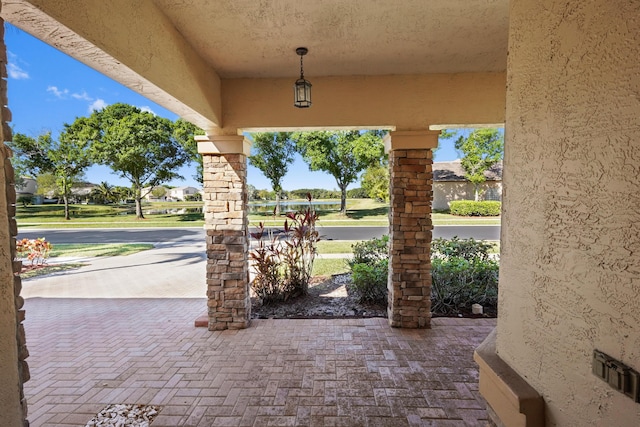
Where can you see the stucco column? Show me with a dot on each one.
(226, 223)
(411, 192)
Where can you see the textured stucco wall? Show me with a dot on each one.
(570, 262)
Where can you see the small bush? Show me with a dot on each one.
(35, 250)
(370, 269)
(370, 281)
(458, 283)
(370, 251)
(472, 208)
(25, 200)
(462, 274)
(469, 249)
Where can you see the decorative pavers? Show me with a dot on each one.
(88, 353)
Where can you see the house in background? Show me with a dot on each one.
(180, 193)
(27, 187)
(450, 184)
(150, 197)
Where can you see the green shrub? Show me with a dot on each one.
(25, 200)
(462, 274)
(458, 283)
(370, 269)
(468, 249)
(370, 251)
(472, 208)
(370, 281)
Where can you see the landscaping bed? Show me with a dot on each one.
(328, 298)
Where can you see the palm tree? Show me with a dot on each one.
(103, 193)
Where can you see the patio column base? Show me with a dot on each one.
(226, 223)
(411, 193)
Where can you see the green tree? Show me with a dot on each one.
(159, 192)
(104, 193)
(375, 181)
(342, 154)
(65, 159)
(272, 154)
(136, 145)
(122, 193)
(482, 149)
(46, 184)
(185, 133)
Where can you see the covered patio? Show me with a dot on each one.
(561, 75)
(89, 353)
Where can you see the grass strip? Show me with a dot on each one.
(99, 249)
(329, 266)
(50, 269)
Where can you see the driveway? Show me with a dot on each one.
(171, 270)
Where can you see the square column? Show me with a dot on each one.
(226, 223)
(411, 194)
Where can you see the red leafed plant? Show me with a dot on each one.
(283, 264)
(35, 250)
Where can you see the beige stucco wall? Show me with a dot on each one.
(446, 191)
(570, 261)
(402, 102)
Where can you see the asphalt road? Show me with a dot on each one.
(197, 235)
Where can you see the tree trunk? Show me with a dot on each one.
(138, 197)
(343, 200)
(276, 211)
(476, 196)
(66, 207)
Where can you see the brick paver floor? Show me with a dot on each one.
(88, 353)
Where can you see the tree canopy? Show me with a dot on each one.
(65, 159)
(137, 145)
(375, 182)
(272, 154)
(185, 133)
(482, 149)
(342, 154)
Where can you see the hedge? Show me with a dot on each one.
(472, 208)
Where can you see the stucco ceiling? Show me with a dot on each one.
(249, 38)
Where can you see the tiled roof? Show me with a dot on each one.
(453, 171)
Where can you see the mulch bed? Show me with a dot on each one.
(329, 298)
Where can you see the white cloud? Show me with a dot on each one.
(147, 109)
(16, 72)
(98, 104)
(13, 69)
(57, 92)
(82, 95)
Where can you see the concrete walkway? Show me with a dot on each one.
(125, 334)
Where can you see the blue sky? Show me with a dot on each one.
(47, 88)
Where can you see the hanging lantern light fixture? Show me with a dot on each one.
(302, 87)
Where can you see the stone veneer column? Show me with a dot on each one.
(411, 192)
(13, 349)
(226, 223)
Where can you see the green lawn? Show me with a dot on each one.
(329, 266)
(180, 214)
(336, 246)
(360, 212)
(95, 250)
